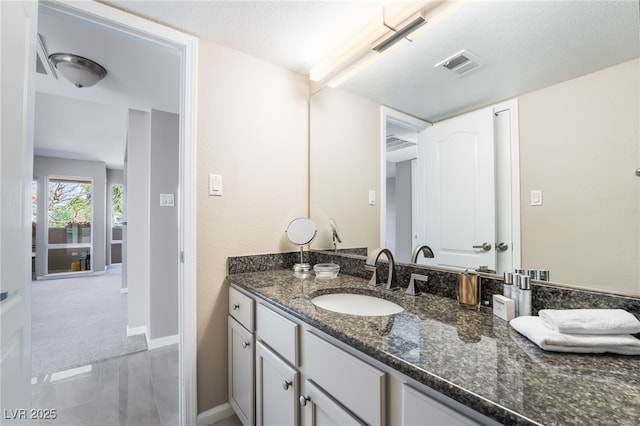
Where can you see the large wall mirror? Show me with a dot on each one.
(574, 70)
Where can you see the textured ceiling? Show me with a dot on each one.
(525, 45)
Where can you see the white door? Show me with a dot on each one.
(458, 160)
(18, 34)
(241, 368)
(276, 390)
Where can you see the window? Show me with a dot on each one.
(69, 217)
(117, 216)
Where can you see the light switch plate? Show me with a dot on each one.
(215, 185)
(536, 197)
(166, 200)
(372, 197)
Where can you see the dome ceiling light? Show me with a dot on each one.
(81, 72)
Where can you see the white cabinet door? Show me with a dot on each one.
(319, 409)
(457, 157)
(419, 409)
(241, 372)
(276, 390)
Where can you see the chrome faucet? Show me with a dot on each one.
(426, 251)
(370, 265)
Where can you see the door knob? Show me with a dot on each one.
(245, 345)
(303, 400)
(502, 246)
(286, 384)
(484, 246)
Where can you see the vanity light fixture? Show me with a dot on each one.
(79, 71)
(404, 29)
(375, 40)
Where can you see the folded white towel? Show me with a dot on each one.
(590, 321)
(550, 340)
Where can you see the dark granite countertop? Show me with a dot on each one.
(471, 356)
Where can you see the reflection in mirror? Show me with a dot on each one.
(578, 127)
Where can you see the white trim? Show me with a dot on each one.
(134, 331)
(516, 249)
(387, 113)
(188, 46)
(163, 341)
(77, 274)
(215, 414)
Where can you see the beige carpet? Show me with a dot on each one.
(78, 321)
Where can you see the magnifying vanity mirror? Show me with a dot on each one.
(301, 231)
(577, 92)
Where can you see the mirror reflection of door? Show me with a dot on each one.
(469, 188)
(458, 158)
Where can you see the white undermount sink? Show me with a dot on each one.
(356, 304)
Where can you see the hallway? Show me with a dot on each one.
(138, 390)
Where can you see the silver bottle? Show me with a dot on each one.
(524, 297)
(508, 283)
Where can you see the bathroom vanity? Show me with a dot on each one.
(433, 363)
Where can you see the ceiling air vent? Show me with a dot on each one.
(460, 63)
(395, 143)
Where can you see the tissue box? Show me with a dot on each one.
(503, 307)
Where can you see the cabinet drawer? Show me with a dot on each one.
(355, 384)
(241, 308)
(278, 333)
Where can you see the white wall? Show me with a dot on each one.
(252, 129)
(579, 144)
(45, 167)
(404, 210)
(137, 217)
(344, 130)
(163, 221)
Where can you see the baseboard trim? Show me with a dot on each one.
(215, 414)
(163, 341)
(134, 331)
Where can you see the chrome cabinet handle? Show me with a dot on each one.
(286, 384)
(236, 306)
(303, 400)
(245, 345)
(484, 246)
(502, 246)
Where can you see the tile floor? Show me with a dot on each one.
(137, 390)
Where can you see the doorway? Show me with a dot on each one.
(399, 212)
(185, 47)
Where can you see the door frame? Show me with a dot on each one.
(136, 26)
(387, 113)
